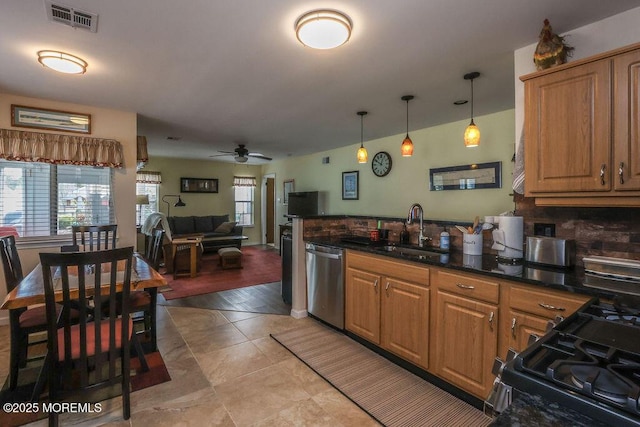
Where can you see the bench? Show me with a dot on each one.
(230, 258)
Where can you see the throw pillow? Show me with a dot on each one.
(226, 227)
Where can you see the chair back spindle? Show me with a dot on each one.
(94, 237)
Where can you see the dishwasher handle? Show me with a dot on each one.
(324, 254)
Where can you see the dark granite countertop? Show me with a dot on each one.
(567, 280)
(534, 410)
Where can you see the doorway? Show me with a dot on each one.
(269, 210)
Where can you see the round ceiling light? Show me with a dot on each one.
(323, 29)
(62, 62)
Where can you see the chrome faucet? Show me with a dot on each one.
(416, 209)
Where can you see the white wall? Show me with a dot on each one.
(105, 123)
(611, 33)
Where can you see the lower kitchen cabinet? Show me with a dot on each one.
(387, 303)
(465, 334)
(528, 310)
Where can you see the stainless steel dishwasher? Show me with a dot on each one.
(325, 283)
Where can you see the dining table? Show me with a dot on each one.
(30, 290)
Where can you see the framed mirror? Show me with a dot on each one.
(466, 177)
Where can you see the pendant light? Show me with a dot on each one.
(472, 133)
(407, 144)
(362, 152)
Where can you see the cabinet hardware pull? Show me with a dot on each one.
(386, 288)
(513, 327)
(375, 284)
(491, 320)
(620, 172)
(461, 286)
(551, 307)
(602, 168)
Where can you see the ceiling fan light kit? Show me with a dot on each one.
(323, 29)
(472, 133)
(407, 145)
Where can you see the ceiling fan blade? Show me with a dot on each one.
(220, 155)
(259, 156)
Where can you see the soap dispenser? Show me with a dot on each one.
(444, 240)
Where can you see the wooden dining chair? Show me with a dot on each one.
(83, 357)
(94, 237)
(145, 301)
(22, 321)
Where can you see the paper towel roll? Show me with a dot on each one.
(513, 229)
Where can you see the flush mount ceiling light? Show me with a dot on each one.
(362, 152)
(62, 62)
(323, 29)
(472, 133)
(407, 144)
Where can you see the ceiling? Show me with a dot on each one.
(219, 73)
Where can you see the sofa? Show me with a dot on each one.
(209, 226)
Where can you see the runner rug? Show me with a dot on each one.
(258, 266)
(387, 392)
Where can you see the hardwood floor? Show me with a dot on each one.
(265, 298)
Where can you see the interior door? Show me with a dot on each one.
(270, 206)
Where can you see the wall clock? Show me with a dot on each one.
(381, 164)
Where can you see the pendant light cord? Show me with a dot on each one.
(471, 100)
(407, 117)
(361, 130)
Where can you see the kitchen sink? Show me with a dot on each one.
(420, 252)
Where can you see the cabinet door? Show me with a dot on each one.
(568, 130)
(405, 320)
(466, 342)
(522, 326)
(362, 308)
(627, 121)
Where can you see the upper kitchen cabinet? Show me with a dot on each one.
(581, 132)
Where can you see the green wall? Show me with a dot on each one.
(408, 181)
(200, 204)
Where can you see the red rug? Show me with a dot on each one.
(258, 266)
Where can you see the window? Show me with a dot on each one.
(147, 183)
(244, 189)
(39, 199)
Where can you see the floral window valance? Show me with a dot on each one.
(244, 181)
(60, 149)
(148, 177)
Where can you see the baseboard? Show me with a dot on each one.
(298, 314)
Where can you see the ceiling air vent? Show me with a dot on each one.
(72, 17)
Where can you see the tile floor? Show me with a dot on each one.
(226, 371)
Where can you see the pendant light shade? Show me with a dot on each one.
(407, 145)
(362, 155)
(472, 133)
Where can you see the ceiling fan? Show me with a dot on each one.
(241, 154)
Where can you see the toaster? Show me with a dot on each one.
(551, 251)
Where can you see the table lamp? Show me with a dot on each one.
(141, 199)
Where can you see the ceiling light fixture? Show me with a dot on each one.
(362, 152)
(323, 29)
(62, 62)
(407, 144)
(472, 133)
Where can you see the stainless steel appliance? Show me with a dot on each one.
(589, 362)
(325, 283)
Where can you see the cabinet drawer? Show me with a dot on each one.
(470, 286)
(385, 266)
(545, 303)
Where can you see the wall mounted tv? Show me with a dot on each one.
(303, 203)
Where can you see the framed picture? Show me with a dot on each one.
(466, 177)
(42, 118)
(288, 188)
(350, 185)
(198, 185)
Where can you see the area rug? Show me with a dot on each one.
(258, 266)
(157, 374)
(387, 392)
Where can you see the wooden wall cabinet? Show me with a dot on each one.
(387, 303)
(465, 330)
(581, 132)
